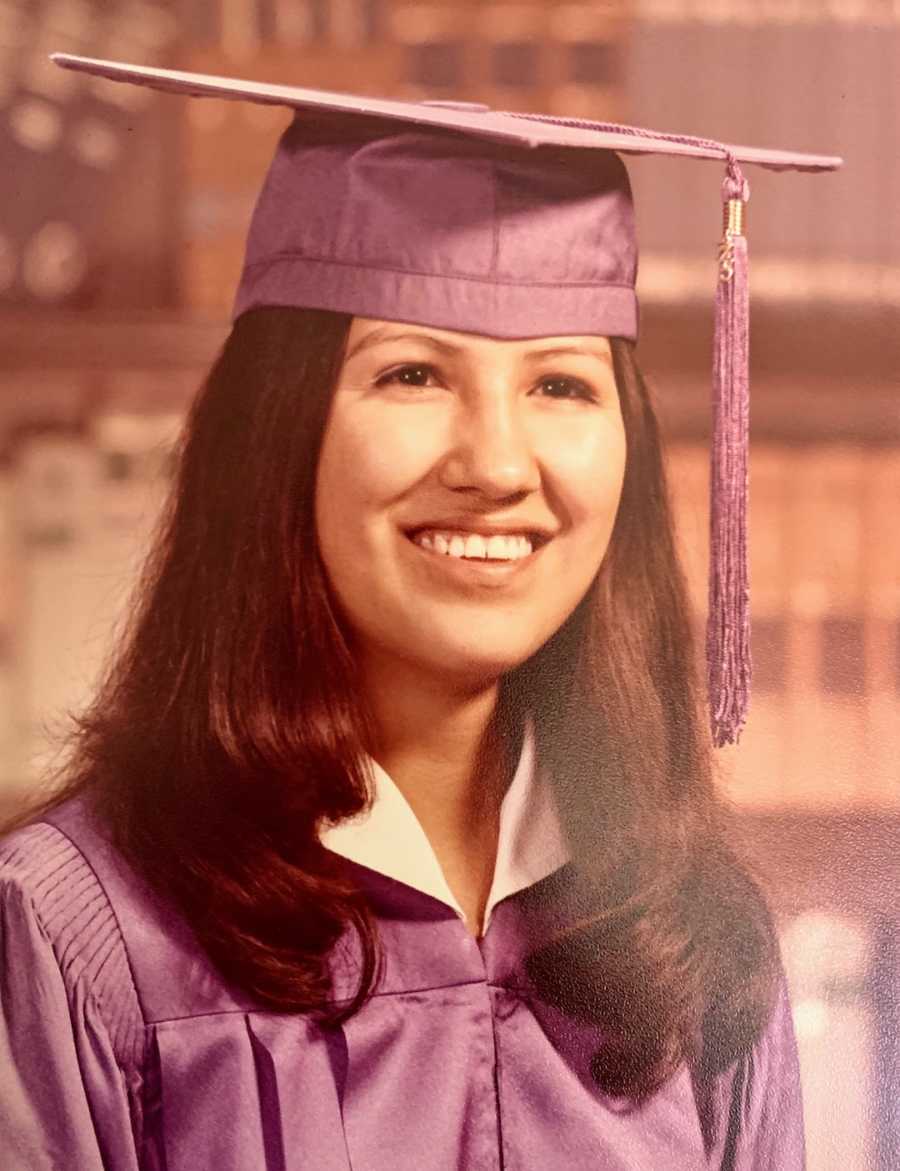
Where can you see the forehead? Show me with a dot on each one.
(366, 333)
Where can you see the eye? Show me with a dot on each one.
(412, 374)
(563, 387)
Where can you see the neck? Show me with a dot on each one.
(439, 746)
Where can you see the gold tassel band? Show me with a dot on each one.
(733, 217)
(732, 225)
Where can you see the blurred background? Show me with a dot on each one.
(122, 221)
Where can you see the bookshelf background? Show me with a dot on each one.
(122, 221)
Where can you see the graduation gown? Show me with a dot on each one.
(121, 1048)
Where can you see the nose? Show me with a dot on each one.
(492, 450)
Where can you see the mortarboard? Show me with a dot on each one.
(457, 216)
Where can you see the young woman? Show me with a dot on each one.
(391, 841)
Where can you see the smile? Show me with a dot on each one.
(478, 560)
(503, 547)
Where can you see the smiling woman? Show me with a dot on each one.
(391, 840)
(436, 445)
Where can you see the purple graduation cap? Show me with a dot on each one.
(461, 217)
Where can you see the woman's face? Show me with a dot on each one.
(466, 492)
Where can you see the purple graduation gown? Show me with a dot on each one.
(121, 1048)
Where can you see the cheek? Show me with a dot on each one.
(375, 453)
(339, 493)
(365, 466)
(589, 477)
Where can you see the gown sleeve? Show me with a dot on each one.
(63, 1096)
(759, 1103)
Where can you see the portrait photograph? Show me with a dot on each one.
(449, 585)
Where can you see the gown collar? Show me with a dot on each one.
(390, 839)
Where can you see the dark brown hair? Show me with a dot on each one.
(229, 729)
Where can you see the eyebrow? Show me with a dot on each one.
(385, 334)
(578, 351)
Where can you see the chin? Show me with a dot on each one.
(479, 665)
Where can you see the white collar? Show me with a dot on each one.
(391, 840)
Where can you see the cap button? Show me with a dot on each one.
(472, 107)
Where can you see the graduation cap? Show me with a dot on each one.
(457, 216)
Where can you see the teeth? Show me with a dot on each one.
(499, 547)
(476, 546)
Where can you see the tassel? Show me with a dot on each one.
(728, 622)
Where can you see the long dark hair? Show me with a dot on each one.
(229, 730)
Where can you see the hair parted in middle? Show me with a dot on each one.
(230, 729)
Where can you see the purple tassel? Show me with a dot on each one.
(728, 623)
